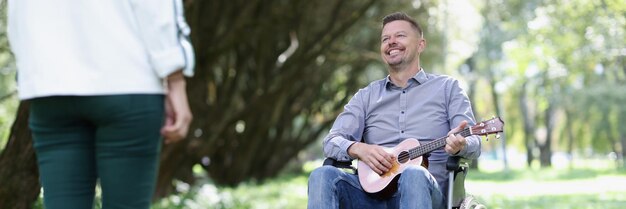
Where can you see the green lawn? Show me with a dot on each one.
(592, 185)
(569, 190)
(582, 187)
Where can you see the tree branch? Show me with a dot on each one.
(7, 96)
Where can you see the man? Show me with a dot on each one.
(409, 103)
(105, 82)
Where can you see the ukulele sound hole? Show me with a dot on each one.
(403, 157)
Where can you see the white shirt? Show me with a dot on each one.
(97, 47)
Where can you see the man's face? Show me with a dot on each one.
(400, 44)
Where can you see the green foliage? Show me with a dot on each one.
(8, 98)
(564, 56)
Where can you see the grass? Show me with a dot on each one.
(585, 185)
(591, 185)
(285, 192)
(573, 201)
(555, 189)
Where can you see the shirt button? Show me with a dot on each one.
(403, 92)
(402, 112)
(401, 131)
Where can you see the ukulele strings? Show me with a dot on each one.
(421, 150)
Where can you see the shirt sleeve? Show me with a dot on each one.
(347, 129)
(164, 32)
(460, 109)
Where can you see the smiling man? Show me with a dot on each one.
(408, 103)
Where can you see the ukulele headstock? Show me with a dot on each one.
(487, 127)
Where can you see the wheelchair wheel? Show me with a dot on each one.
(470, 202)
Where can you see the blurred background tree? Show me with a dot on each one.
(272, 75)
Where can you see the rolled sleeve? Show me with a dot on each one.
(471, 149)
(347, 129)
(167, 61)
(164, 33)
(460, 109)
(337, 148)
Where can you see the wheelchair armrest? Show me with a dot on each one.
(457, 163)
(457, 168)
(339, 164)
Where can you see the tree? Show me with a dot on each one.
(557, 58)
(502, 23)
(19, 175)
(263, 88)
(271, 77)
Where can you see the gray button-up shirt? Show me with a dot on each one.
(385, 114)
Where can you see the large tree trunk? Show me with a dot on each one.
(622, 136)
(570, 136)
(496, 104)
(529, 127)
(264, 87)
(471, 93)
(620, 156)
(19, 175)
(622, 116)
(608, 131)
(545, 148)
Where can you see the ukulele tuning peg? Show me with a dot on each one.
(497, 136)
(487, 138)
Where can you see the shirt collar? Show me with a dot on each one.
(419, 78)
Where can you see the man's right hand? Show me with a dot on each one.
(374, 156)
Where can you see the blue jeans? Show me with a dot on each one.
(330, 187)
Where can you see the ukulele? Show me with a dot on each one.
(410, 152)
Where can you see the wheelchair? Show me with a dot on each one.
(457, 170)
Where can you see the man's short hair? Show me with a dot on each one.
(402, 16)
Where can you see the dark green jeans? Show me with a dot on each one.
(81, 139)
